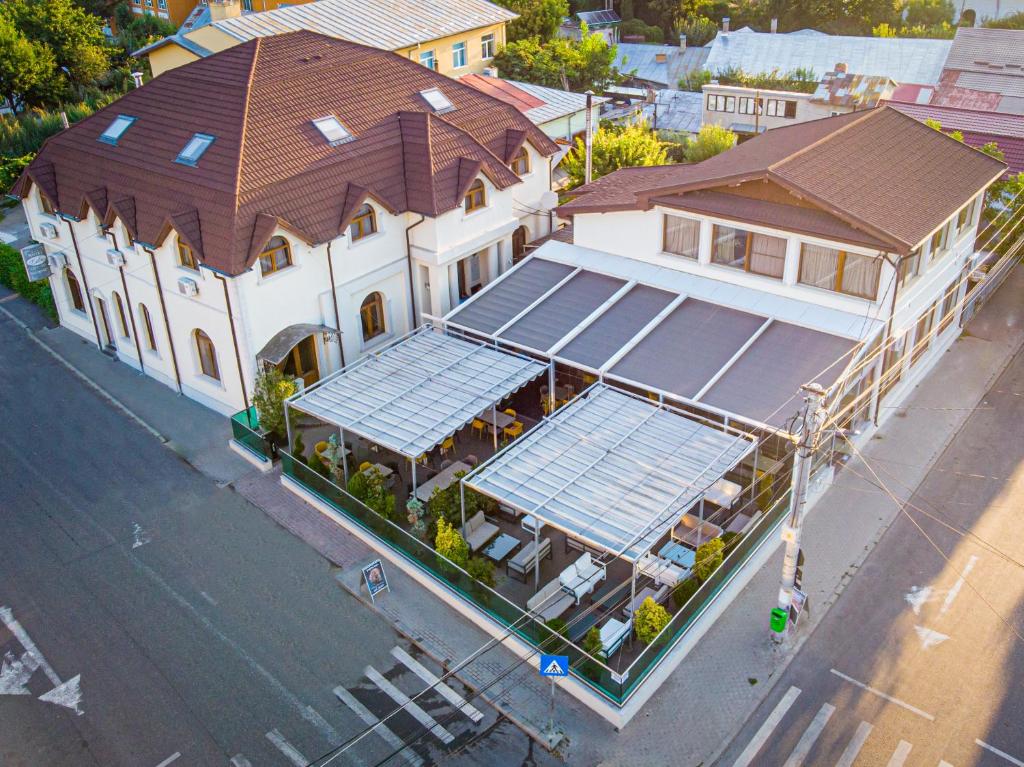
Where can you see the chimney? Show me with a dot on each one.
(682, 42)
(840, 68)
(224, 9)
(137, 79)
(775, 26)
(725, 23)
(660, 58)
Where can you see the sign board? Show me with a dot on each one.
(797, 606)
(37, 265)
(554, 665)
(375, 579)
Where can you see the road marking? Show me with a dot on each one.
(7, 238)
(291, 753)
(379, 727)
(948, 601)
(855, 745)
(15, 673)
(880, 694)
(997, 752)
(807, 740)
(899, 756)
(929, 637)
(918, 596)
(139, 536)
(443, 689)
(171, 758)
(767, 728)
(7, 616)
(240, 761)
(208, 598)
(402, 699)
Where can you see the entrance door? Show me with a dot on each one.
(518, 244)
(106, 335)
(301, 362)
(470, 279)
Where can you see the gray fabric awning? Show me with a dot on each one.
(277, 348)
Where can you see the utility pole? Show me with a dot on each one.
(589, 138)
(812, 420)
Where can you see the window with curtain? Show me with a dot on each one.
(767, 256)
(364, 223)
(729, 247)
(371, 315)
(923, 334)
(682, 236)
(837, 270)
(277, 255)
(947, 312)
(476, 197)
(521, 162)
(147, 327)
(207, 355)
(907, 267)
(749, 251)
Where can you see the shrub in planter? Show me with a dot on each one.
(481, 569)
(272, 389)
(553, 635)
(592, 645)
(709, 557)
(683, 591)
(378, 497)
(449, 543)
(730, 541)
(358, 486)
(648, 621)
(299, 448)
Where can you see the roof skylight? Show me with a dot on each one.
(194, 149)
(437, 100)
(332, 130)
(116, 129)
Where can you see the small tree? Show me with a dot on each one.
(695, 81)
(537, 18)
(649, 619)
(709, 557)
(272, 389)
(378, 496)
(450, 544)
(359, 486)
(712, 139)
(481, 569)
(613, 148)
(592, 645)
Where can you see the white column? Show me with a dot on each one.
(493, 266)
(453, 286)
(792, 270)
(438, 277)
(704, 248)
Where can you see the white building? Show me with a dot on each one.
(251, 205)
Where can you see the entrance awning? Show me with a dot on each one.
(284, 341)
(413, 394)
(612, 469)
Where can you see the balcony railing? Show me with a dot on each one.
(245, 426)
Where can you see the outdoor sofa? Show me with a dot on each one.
(580, 578)
(550, 602)
(523, 562)
(478, 531)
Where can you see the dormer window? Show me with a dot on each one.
(46, 205)
(521, 162)
(330, 128)
(476, 197)
(194, 149)
(364, 223)
(437, 100)
(116, 129)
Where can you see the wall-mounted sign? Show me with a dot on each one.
(37, 265)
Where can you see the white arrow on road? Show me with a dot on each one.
(929, 637)
(67, 694)
(15, 673)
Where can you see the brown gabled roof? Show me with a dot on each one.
(879, 171)
(268, 164)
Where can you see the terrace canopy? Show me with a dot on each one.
(612, 469)
(415, 393)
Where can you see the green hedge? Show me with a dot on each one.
(12, 274)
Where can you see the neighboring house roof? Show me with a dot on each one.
(984, 70)
(901, 59)
(659, 64)
(680, 111)
(881, 172)
(593, 19)
(268, 165)
(840, 89)
(199, 17)
(977, 127)
(390, 25)
(980, 49)
(539, 103)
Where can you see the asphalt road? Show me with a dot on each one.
(938, 641)
(196, 626)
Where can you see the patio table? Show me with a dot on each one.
(531, 524)
(442, 480)
(385, 471)
(723, 493)
(691, 532)
(679, 554)
(501, 547)
(499, 419)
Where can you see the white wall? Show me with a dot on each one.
(805, 108)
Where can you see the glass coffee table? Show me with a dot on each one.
(501, 547)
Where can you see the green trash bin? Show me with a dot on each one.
(778, 620)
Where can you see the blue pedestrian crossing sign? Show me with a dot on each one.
(554, 665)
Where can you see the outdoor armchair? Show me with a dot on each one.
(580, 578)
(478, 531)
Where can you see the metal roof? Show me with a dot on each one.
(904, 60)
(388, 25)
(737, 351)
(644, 58)
(410, 396)
(538, 102)
(611, 468)
(681, 111)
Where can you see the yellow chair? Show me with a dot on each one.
(365, 465)
(545, 405)
(515, 429)
(589, 379)
(448, 445)
(422, 460)
(320, 447)
(479, 427)
(652, 396)
(510, 411)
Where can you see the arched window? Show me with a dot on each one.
(74, 290)
(372, 315)
(207, 355)
(147, 328)
(185, 256)
(122, 319)
(476, 197)
(277, 255)
(363, 223)
(521, 162)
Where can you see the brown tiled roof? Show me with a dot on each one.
(881, 172)
(269, 165)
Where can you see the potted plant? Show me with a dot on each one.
(272, 389)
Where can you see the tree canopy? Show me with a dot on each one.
(633, 146)
(578, 65)
(537, 18)
(26, 67)
(712, 139)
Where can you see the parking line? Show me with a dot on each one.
(806, 743)
(767, 728)
(442, 689)
(855, 745)
(385, 732)
(286, 748)
(997, 752)
(880, 694)
(171, 758)
(411, 707)
(899, 756)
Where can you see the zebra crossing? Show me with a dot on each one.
(754, 752)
